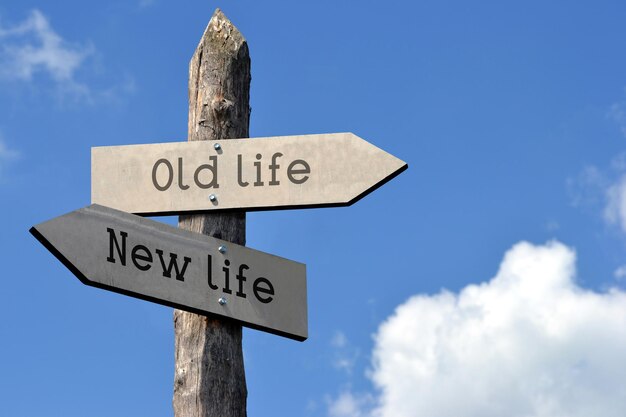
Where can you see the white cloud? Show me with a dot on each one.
(530, 342)
(33, 47)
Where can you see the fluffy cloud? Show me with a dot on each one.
(530, 342)
(33, 47)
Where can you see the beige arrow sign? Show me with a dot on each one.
(252, 174)
(139, 257)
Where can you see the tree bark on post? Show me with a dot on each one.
(209, 375)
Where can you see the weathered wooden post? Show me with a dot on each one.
(209, 372)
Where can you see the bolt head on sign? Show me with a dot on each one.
(252, 174)
(142, 258)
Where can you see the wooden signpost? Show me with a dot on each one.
(124, 253)
(203, 268)
(253, 174)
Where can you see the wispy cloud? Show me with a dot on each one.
(615, 210)
(345, 354)
(588, 187)
(602, 190)
(33, 52)
(348, 404)
(339, 340)
(32, 48)
(620, 272)
(529, 342)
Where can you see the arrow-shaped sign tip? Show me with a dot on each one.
(46, 235)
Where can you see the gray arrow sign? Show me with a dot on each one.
(139, 257)
(252, 174)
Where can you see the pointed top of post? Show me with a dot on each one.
(219, 83)
(222, 30)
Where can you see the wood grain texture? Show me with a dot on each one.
(209, 375)
(331, 169)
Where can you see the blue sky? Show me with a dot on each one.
(486, 280)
